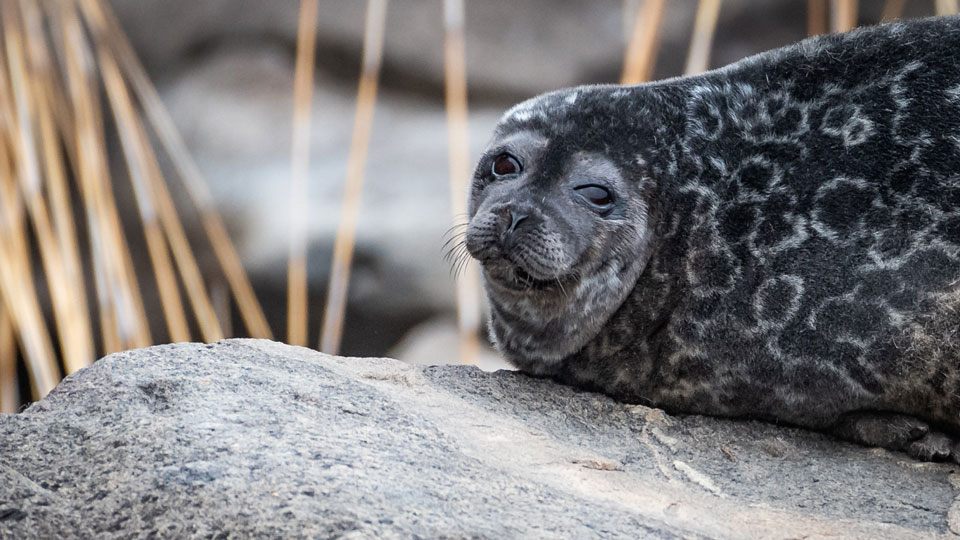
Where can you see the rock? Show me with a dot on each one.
(253, 439)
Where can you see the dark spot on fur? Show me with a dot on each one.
(950, 228)
(878, 284)
(694, 368)
(757, 176)
(738, 220)
(903, 178)
(846, 319)
(774, 228)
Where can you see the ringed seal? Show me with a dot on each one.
(776, 239)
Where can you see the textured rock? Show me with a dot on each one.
(256, 439)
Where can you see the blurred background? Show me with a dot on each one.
(173, 169)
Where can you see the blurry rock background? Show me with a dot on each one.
(225, 70)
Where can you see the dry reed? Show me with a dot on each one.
(946, 7)
(58, 58)
(892, 10)
(641, 54)
(844, 15)
(302, 95)
(9, 393)
(455, 75)
(99, 16)
(698, 59)
(336, 305)
(816, 17)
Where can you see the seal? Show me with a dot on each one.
(777, 239)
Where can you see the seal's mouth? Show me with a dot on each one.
(516, 278)
(522, 278)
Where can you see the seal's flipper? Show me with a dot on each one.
(886, 430)
(933, 446)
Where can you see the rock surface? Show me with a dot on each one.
(250, 438)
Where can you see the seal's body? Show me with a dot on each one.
(777, 239)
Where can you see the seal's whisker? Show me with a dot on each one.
(464, 257)
(457, 256)
(459, 236)
(562, 290)
(454, 251)
(460, 262)
(455, 227)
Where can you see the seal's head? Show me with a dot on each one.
(559, 222)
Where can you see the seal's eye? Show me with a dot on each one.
(596, 195)
(505, 165)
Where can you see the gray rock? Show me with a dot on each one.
(256, 439)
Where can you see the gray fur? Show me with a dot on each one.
(785, 243)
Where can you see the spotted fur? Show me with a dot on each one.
(800, 250)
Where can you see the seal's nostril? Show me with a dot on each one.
(515, 220)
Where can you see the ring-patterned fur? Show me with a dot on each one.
(800, 250)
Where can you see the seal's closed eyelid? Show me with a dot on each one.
(598, 196)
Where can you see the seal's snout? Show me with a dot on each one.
(515, 243)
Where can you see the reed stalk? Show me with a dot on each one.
(641, 53)
(945, 7)
(300, 166)
(455, 75)
(150, 190)
(28, 87)
(16, 274)
(123, 318)
(101, 19)
(17, 288)
(892, 10)
(844, 15)
(9, 393)
(698, 59)
(816, 17)
(64, 230)
(136, 149)
(335, 308)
